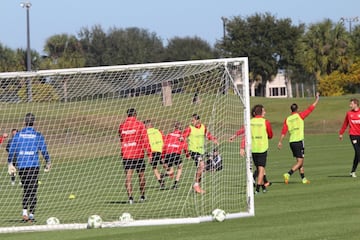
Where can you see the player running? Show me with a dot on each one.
(173, 147)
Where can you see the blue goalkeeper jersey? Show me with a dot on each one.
(25, 148)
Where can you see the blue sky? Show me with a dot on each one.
(167, 19)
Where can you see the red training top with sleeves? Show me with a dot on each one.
(187, 132)
(133, 139)
(175, 143)
(352, 119)
(302, 115)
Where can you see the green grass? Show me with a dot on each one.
(325, 209)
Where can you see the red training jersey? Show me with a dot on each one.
(133, 139)
(175, 143)
(352, 119)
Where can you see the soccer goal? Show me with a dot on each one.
(79, 111)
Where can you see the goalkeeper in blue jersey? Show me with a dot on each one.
(25, 148)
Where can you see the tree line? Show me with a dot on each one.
(324, 53)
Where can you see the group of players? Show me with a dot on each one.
(136, 137)
(261, 132)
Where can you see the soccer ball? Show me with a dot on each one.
(126, 218)
(52, 221)
(94, 221)
(219, 215)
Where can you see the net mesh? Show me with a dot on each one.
(79, 111)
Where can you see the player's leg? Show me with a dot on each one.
(129, 170)
(199, 170)
(142, 182)
(33, 186)
(179, 166)
(355, 141)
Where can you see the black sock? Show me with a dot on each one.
(302, 175)
(290, 172)
(265, 179)
(257, 187)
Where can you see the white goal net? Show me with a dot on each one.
(78, 111)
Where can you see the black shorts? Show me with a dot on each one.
(136, 164)
(172, 159)
(156, 159)
(259, 159)
(197, 157)
(298, 149)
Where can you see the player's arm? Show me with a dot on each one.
(11, 156)
(282, 135)
(45, 153)
(269, 130)
(343, 127)
(239, 132)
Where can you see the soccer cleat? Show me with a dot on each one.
(305, 181)
(256, 192)
(25, 218)
(353, 174)
(267, 184)
(142, 199)
(197, 189)
(286, 178)
(264, 190)
(13, 183)
(131, 200)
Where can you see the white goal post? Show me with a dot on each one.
(79, 111)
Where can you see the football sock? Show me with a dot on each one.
(265, 179)
(302, 175)
(290, 172)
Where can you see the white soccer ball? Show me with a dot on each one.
(126, 218)
(94, 221)
(52, 221)
(219, 215)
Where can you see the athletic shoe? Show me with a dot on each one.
(256, 192)
(267, 184)
(352, 174)
(142, 199)
(131, 200)
(197, 189)
(31, 217)
(264, 190)
(175, 186)
(305, 181)
(12, 183)
(286, 178)
(25, 218)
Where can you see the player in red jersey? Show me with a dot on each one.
(352, 119)
(174, 145)
(134, 141)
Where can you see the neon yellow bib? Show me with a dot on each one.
(259, 137)
(155, 139)
(295, 127)
(196, 139)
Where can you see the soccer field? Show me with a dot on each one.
(325, 209)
